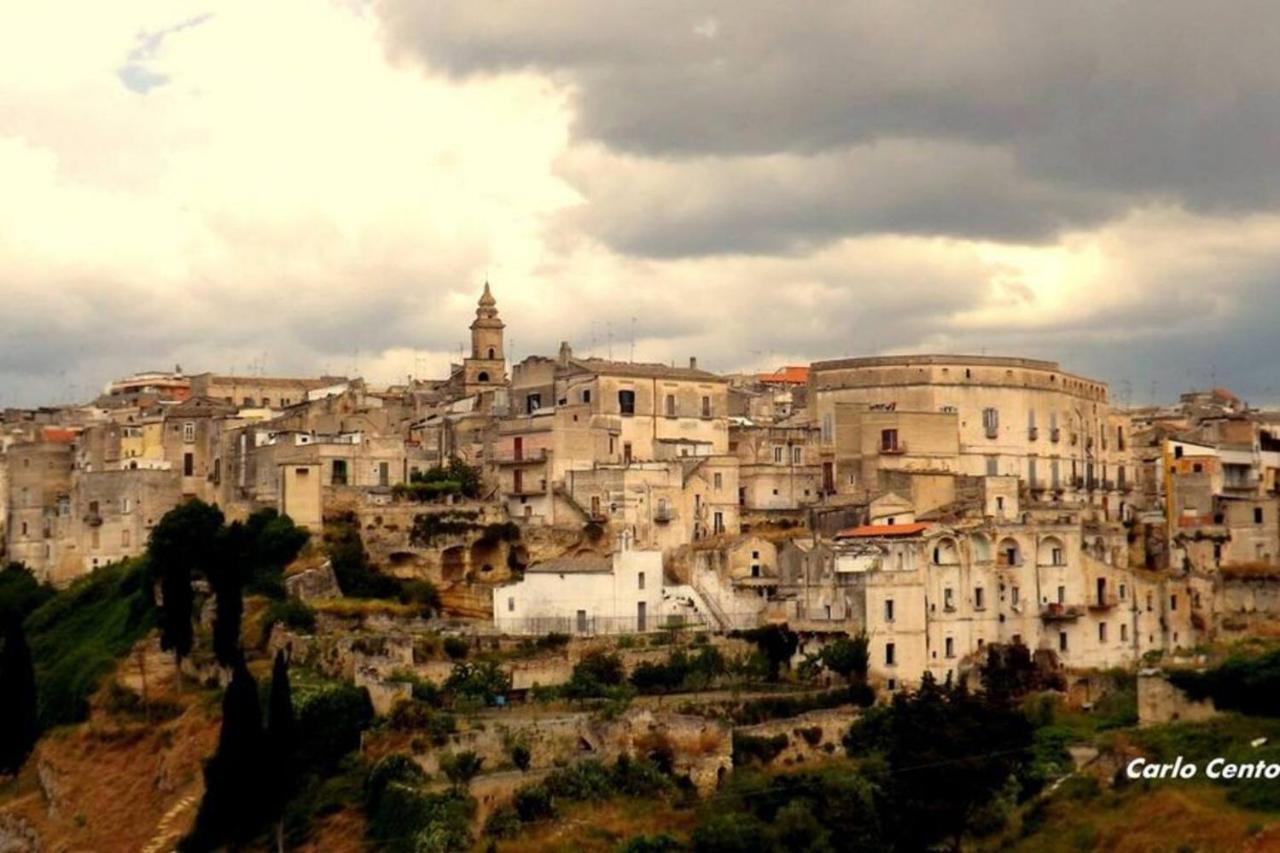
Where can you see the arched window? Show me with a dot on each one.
(981, 548)
(945, 552)
(1051, 552)
(491, 353)
(482, 376)
(1008, 553)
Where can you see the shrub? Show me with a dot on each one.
(293, 613)
(483, 681)
(533, 803)
(593, 675)
(461, 767)
(413, 715)
(392, 768)
(503, 822)
(331, 716)
(748, 748)
(456, 648)
(20, 592)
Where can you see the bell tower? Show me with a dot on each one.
(487, 366)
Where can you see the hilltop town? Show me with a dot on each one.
(568, 509)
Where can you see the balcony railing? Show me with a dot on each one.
(896, 449)
(1056, 612)
(527, 457)
(1106, 602)
(1033, 433)
(1055, 434)
(663, 516)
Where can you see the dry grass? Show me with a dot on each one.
(364, 607)
(601, 827)
(1170, 818)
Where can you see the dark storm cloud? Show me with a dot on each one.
(1087, 107)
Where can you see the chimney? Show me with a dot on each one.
(693, 362)
(566, 353)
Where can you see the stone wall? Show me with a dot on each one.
(812, 736)
(1161, 702)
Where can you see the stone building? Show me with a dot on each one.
(1053, 430)
(779, 465)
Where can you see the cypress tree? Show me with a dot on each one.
(18, 727)
(182, 544)
(227, 578)
(233, 810)
(282, 745)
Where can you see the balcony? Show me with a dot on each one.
(531, 457)
(1106, 602)
(1032, 433)
(1056, 612)
(664, 516)
(1055, 434)
(896, 449)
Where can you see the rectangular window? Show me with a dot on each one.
(124, 538)
(586, 395)
(1124, 633)
(671, 405)
(1123, 591)
(889, 654)
(626, 452)
(950, 647)
(1062, 595)
(991, 422)
(827, 431)
(188, 432)
(888, 610)
(718, 481)
(948, 600)
(384, 473)
(640, 580)
(993, 466)
(627, 402)
(339, 473)
(1016, 596)
(777, 455)
(188, 464)
(532, 403)
(1257, 515)
(706, 407)
(718, 522)
(797, 456)
(979, 598)
(1173, 602)
(1062, 641)
(889, 440)
(511, 603)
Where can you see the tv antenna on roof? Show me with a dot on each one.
(633, 340)
(610, 340)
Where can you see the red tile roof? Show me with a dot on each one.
(789, 375)
(876, 530)
(57, 435)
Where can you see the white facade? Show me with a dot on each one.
(589, 595)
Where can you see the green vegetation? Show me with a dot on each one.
(405, 818)
(293, 613)
(18, 724)
(848, 657)
(77, 636)
(358, 578)
(456, 478)
(776, 643)
(584, 781)
(1246, 683)
(597, 675)
(681, 671)
(456, 648)
(21, 593)
(482, 682)
(749, 748)
(430, 526)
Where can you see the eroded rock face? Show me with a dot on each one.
(50, 786)
(313, 583)
(18, 836)
(696, 747)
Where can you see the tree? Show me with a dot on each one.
(594, 675)
(461, 767)
(234, 807)
(18, 726)
(227, 575)
(948, 752)
(181, 545)
(282, 745)
(776, 643)
(20, 592)
(848, 657)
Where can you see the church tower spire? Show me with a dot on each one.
(487, 365)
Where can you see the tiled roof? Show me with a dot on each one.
(645, 369)
(576, 564)
(57, 435)
(792, 374)
(867, 531)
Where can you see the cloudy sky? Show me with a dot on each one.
(303, 185)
